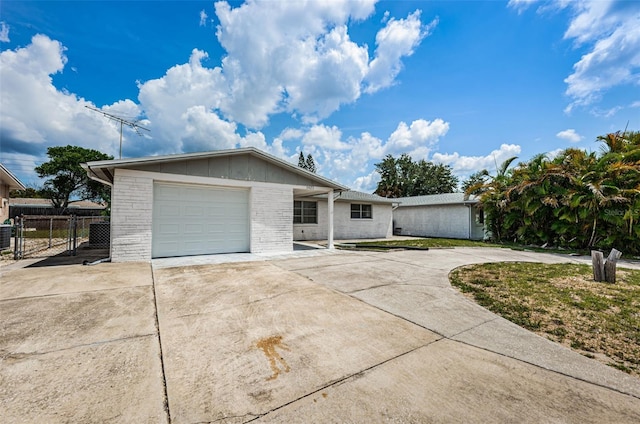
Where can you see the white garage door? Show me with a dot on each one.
(199, 220)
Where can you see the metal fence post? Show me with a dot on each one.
(75, 234)
(17, 243)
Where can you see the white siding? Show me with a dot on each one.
(131, 215)
(271, 219)
(380, 226)
(450, 221)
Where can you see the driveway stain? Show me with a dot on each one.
(268, 346)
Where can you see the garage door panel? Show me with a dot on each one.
(194, 220)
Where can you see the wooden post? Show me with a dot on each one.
(597, 263)
(610, 266)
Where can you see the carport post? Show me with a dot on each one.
(330, 223)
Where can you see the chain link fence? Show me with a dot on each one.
(43, 236)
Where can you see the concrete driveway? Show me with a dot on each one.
(317, 337)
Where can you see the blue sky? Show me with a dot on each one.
(465, 83)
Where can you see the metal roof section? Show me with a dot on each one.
(6, 177)
(47, 203)
(102, 171)
(438, 199)
(357, 196)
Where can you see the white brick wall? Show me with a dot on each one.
(345, 227)
(131, 214)
(271, 219)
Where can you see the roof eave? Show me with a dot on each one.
(103, 170)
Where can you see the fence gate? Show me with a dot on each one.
(43, 236)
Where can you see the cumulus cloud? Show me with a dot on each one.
(396, 40)
(468, 164)
(4, 32)
(570, 135)
(302, 58)
(346, 160)
(280, 57)
(35, 115)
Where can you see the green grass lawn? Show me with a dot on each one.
(562, 303)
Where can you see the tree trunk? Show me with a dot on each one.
(610, 266)
(593, 232)
(597, 263)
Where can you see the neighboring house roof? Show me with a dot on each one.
(358, 196)
(437, 199)
(103, 170)
(6, 177)
(46, 203)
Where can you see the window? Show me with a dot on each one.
(305, 212)
(479, 216)
(360, 211)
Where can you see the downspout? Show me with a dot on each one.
(470, 218)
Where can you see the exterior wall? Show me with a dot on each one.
(380, 226)
(271, 218)
(271, 211)
(131, 218)
(450, 221)
(4, 202)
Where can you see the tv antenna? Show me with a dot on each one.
(133, 124)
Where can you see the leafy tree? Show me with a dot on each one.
(403, 177)
(576, 200)
(68, 179)
(475, 180)
(28, 193)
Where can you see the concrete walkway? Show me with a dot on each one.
(315, 336)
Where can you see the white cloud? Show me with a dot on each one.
(570, 135)
(469, 164)
(396, 40)
(35, 115)
(612, 31)
(290, 134)
(203, 18)
(301, 58)
(635, 104)
(323, 137)
(520, 5)
(347, 160)
(4, 32)
(554, 153)
(367, 183)
(416, 139)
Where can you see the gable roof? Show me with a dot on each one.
(103, 171)
(6, 177)
(438, 199)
